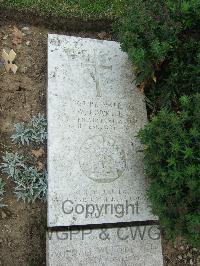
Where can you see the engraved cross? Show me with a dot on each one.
(97, 66)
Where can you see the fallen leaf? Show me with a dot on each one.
(142, 86)
(9, 59)
(17, 36)
(5, 37)
(3, 215)
(40, 166)
(135, 69)
(38, 153)
(104, 35)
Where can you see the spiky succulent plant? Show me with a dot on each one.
(32, 132)
(30, 183)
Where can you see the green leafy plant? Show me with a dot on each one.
(32, 132)
(181, 76)
(2, 191)
(163, 42)
(148, 32)
(172, 160)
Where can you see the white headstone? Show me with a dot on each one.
(138, 246)
(95, 161)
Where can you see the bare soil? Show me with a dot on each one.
(22, 225)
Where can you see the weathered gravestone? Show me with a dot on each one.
(129, 246)
(95, 161)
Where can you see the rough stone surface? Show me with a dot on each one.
(138, 246)
(95, 161)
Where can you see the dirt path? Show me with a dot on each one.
(22, 238)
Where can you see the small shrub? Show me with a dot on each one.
(163, 42)
(29, 178)
(12, 164)
(2, 184)
(147, 32)
(172, 160)
(30, 184)
(32, 132)
(181, 76)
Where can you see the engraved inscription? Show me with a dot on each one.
(95, 112)
(103, 115)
